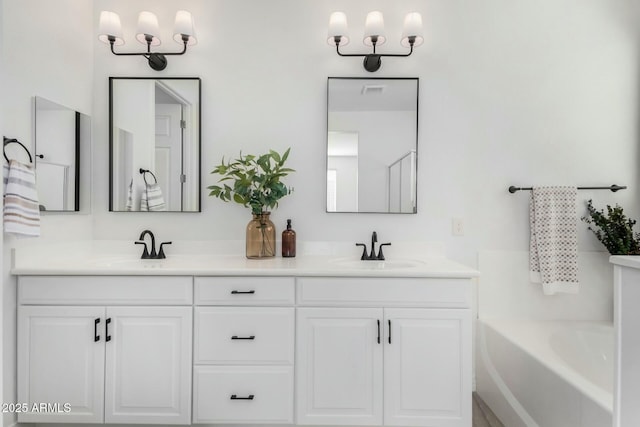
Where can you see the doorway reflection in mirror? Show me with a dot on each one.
(156, 128)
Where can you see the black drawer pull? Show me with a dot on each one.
(96, 337)
(235, 397)
(242, 292)
(389, 331)
(378, 331)
(250, 337)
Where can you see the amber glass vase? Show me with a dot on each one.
(261, 237)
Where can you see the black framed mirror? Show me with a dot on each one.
(372, 145)
(154, 144)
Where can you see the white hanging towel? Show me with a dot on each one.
(21, 213)
(553, 248)
(152, 198)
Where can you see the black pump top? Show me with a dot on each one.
(288, 224)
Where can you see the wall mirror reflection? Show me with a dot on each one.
(154, 139)
(372, 142)
(62, 135)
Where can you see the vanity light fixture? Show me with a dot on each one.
(374, 36)
(148, 33)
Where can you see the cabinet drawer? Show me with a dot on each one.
(243, 394)
(245, 290)
(105, 290)
(244, 335)
(387, 292)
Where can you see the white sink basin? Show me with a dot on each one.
(393, 264)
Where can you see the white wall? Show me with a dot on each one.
(46, 51)
(511, 93)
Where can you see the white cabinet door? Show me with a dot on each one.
(339, 366)
(427, 367)
(61, 361)
(148, 365)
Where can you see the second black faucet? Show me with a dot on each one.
(372, 256)
(151, 255)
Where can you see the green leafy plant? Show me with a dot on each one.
(614, 230)
(255, 180)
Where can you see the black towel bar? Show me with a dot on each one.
(144, 173)
(612, 188)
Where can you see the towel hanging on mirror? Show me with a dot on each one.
(152, 198)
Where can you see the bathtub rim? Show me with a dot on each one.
(546, 356)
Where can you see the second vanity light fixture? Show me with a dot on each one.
(148, 33)
(374, 35)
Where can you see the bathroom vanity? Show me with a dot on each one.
(225, 340)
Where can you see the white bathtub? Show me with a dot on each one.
(548, 373)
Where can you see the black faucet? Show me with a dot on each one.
(374, 240)
(372, 256)
(153, 255)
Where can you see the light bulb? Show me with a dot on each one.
(374, 26)
(184, 26)
(148, 25)
(338, 28)
(110, 26)
(412, 28)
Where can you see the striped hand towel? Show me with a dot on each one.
(553, 248)
(152, 199)
(21, 214)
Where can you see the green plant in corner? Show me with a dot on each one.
(614, 230)
(255, 180)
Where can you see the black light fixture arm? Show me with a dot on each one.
(157, 60)
(373, 61)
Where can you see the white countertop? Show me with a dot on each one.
(81, 261)
(632, 261)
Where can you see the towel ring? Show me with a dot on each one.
(6, 141)
(144, 173)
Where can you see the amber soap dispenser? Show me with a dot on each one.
(288, 242)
